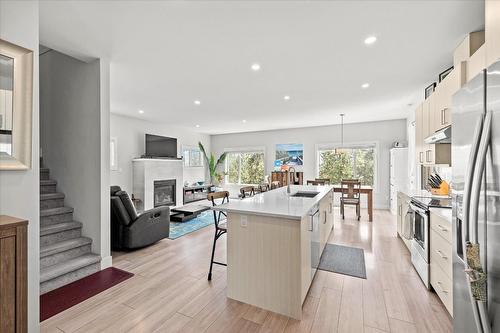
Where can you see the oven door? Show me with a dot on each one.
(421, 231)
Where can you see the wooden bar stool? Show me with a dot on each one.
(247, 191)
(264, 188)
(220, 228)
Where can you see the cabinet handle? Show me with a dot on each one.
(441, 254)
(331, 207)
(421, 157)
(442, 228)
(442, 117)
(441, 287)
(427, 158)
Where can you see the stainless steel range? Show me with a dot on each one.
(420, 242)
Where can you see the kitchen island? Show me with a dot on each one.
(274, 243)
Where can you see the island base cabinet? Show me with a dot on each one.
(266, 264)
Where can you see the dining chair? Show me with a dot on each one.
(351, 195)
(316, 182)
(220, 227)
(325, 180)
(247, 191)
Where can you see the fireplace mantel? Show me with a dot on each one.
(146, 171)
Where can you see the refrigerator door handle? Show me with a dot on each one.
(474, 218)
(466, 209)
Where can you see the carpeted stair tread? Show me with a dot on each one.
(65, 267)
(56, 211)
(44, 169)
(48, 182)
(63, 246)
(59, 227)
(50, 196)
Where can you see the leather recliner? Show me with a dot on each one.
(130, 230)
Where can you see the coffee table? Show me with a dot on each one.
(186, 213)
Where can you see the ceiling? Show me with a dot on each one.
(165, 55)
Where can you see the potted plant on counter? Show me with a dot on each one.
(216, 177)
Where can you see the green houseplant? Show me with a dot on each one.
(213, 165)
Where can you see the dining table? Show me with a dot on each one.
(366, 190)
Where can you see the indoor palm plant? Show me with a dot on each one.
(213, 165)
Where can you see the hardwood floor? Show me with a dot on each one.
(170, 291)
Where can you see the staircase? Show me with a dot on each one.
(65, 256)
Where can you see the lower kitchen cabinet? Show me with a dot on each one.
(326, 219)
(403, 205)
(441, 259)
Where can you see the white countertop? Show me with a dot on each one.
(422, 193)
(445, 213)
(277, 203)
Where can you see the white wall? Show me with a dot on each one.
(130, 132)
(382, 133)
(73, 123)
(19, 190)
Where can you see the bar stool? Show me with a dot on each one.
(264, 188)
(220, 228)
(247, 191)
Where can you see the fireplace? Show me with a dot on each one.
(164, 192)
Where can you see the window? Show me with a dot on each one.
(345, 163)
(245, 167)
(192, 157)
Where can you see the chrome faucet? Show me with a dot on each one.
(288, 182)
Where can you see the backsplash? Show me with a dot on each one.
(444, 172)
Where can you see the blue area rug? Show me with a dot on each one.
(178, 229)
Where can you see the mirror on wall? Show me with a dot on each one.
(16, 106)
(6, 104)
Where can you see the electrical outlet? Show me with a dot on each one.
(244, 221)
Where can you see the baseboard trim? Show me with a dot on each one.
(106, 262)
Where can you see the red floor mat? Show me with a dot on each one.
(63, 298)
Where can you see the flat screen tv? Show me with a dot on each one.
(160, 146)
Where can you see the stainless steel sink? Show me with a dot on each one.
(305, 194)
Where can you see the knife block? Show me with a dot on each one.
(444, 189)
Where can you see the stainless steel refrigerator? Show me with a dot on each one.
(476, 204)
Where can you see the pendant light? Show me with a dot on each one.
(340, 150)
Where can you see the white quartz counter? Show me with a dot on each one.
(445, 213)
(277, 203)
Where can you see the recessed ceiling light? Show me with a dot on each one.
(370, 40)
(365, 85)
(141, 111)
(244, 121)
(256, 67)
(286, 98)
(197, 126)
(197, 102)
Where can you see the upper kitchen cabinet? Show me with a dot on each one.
(441, 108)
(471, 43)
(419, 134)
(492, 27)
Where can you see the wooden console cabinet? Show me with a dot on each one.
(13, 274)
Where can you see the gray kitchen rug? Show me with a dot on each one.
(344, 260)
